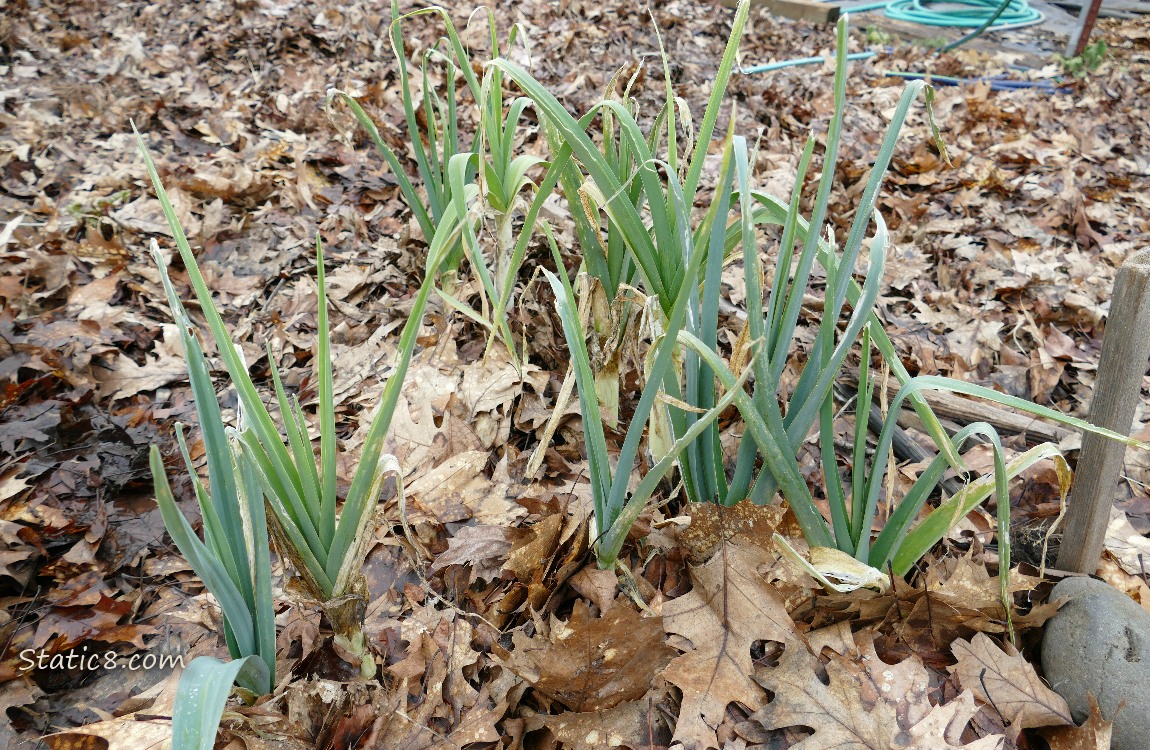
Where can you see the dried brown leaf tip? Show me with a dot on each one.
(1094, 734)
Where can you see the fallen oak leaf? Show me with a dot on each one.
(148, 727)
(1039, 614)
(1114, 573)
(948, 721)
(16, 694)
(476, 725)
(729, 609)
(1125, 543)
(1008, 683)
(534, 551)
(458, 490)
(124, 378)
(965, 584)
(865, 704)
(597, 586)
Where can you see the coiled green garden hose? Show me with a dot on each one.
(999, 15)
(1016, 14)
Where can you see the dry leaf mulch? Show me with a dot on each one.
(493, 625)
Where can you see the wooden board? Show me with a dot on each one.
(965, 410)
(799, 10)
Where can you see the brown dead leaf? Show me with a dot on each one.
(625, 725)
(483, 548)
(1126, 544)
(126, 378)
(1114, 573)
(837, 638)
(534, 551)
(594, 664)
(1008, 682)
(15, 694)
(597, 585)
(712, 524)
(728, 610)
(489, 388)
(458, 490)
(967, 584)
(866, 704)
(476, 725)
(327, 710)
(433, 690)
(960, 598)
(1039, 614)
(149, 727)
(421, 434)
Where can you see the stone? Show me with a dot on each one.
(1099, 643)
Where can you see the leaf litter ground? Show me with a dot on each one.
(492, 623)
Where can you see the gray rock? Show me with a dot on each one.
(1099, 643)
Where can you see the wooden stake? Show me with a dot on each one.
(1117, 389)
(1087, 16)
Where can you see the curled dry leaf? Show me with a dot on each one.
(837, 638)
(1007, 682)
(458, 489)
(483, 548)
(597, 585)
(16, 694)
(126, 378)
(534, 551)
(488, 390)
(1114, 573)
(150, 726)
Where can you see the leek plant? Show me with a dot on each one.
(446, 169)
(607, 263)
(623, 181)
(777, 437)
(264, 478)
(650, 237)
(902, 541)
(233, 560)
(616, 509)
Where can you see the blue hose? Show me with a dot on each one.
(996, 83)
(1016, 15)
(767, 67)
(980, 15)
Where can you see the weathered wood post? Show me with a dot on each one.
(1087, 15)
(1125, 351)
